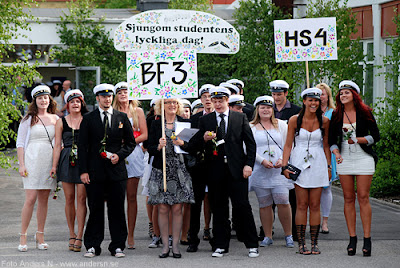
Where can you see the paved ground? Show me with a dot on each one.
(385, 235)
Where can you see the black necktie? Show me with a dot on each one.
(222, 126)
(105, 120)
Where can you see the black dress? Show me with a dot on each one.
(65, 171)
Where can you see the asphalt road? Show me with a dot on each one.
(385, 239)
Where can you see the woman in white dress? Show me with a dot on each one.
(309, 131)
(135, 161)
(35, 153)
(352, 132)
(266, 180)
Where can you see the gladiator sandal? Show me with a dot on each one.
(314, 231)
(301, 235)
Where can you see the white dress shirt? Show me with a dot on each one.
(226, 113)
(109, 113)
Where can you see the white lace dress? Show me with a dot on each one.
(314, 172)
(38, 158)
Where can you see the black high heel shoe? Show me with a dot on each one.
(367, 247)
(176, 255)
(164, 255)
(352, 247)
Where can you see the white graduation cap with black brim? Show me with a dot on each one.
(40, 90)
(219, 92)
(185, 103)
(104, 90)
(278, 86)
(236, 82)
(312, 93)
(350, 85)
(205, 89)
(264, 100)
(72, 94)
(236, 100)
(197, 104)
(234, 89)
(119, 86)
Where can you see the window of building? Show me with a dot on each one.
(367, 91)
(365, 29)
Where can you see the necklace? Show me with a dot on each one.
(307, 158)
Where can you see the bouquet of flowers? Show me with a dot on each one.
(58, 188)
(103, 153)
(347, 133)
(73, 155)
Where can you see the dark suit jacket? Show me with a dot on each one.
(238, 132)
(364, 127)
(120, 141)
(195, 119)
(154, 136)
(249, 111)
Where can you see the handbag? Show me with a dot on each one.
(297, 171)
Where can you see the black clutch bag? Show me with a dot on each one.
(297, 171)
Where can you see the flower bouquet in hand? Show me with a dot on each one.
(73, 155)
(58, 188)
(347, 133)
(103, 153)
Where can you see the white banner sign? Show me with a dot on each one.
(305, 39)
(177, 30)
(162, 74)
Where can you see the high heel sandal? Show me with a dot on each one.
(77, 248)
(41, 246)
(151, 230)
(314, 231)
(22, 248)
(367, 247)
(352, 247)
(301, 234)
(71, 246)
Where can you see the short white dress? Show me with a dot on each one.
(134, 162)
(38, 159)
(261, 176)
(355, 160)
(314, 171)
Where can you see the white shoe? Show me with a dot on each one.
(253, 253)
(219, 252)
(155, 242)
(266, 242)
(41, 246)
(90, 253)
(119, 253)
(22, 248)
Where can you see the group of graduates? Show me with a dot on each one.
(97, 155)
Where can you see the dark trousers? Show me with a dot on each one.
(223, 186)
(199, 182)
(94, 233)
(292, 201)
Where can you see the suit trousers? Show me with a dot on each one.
(94, 233)
(223, 186)
(199, 182)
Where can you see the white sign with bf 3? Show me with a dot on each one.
(305, 39)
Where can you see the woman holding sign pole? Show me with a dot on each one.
(179, 183)
(310, 161)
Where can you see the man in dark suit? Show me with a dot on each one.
(105, 140)
(222, 133)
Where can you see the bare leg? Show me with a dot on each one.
(186, 222)
(315, 204)
(285, 217)
(163, 212)
(347, 182)
(131, 196)
(155, 221)
(267, 219)
(177, 218)
(363, 186)
(302, 198)
(69, 193)
(80, 212)
(26, 214)
(41, 213)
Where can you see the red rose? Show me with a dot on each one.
(345, 129)
(103, 155)
(72, 163)
(55, 197)
(136, 134)
(215, 152)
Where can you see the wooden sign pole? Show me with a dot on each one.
(163, 149)
(307, 75)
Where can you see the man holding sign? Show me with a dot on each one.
(222, 133)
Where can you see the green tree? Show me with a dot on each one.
(116, 4)
(87, 43)
(12, 19)
(200, 5)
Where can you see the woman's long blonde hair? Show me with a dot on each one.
(257, 118)
(157, 107)
(328, 90)
(133, 104)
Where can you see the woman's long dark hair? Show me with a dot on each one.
(84, 109)
(33, 110)
(361, 107)
(301, 115)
